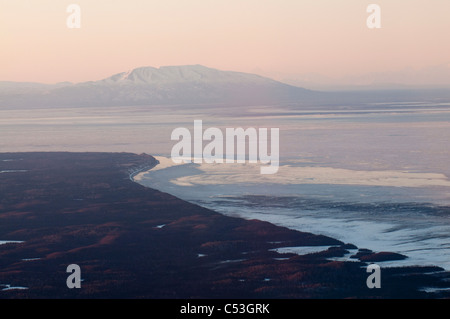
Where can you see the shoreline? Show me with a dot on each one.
(397, 260)
(336, 228)
(126, 235)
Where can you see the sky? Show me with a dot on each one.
(317, 40)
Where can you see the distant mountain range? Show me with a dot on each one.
(196, 85)
(190, 84)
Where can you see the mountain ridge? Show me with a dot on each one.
(180, 74)
(188, 84)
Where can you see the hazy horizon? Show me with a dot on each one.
(305, 43)
(369, 82)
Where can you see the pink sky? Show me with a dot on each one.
(276, 38)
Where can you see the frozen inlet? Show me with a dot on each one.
(3, 242)
(301, 250)
(9, 287)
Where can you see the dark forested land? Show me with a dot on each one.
(136, 242)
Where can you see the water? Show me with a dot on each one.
(376, 176)
(378, 179)
(380, 218)
(3, 242)
(7, 287)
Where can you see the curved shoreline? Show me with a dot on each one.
(337, 227)
(84, 208)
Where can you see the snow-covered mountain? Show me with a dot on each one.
(191, 84)
(183, 74)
